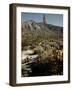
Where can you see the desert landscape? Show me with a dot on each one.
(41, 48)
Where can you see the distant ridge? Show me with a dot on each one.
(41, 27)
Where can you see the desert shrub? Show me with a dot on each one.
(38, 50)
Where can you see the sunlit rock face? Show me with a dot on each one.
(45, 19)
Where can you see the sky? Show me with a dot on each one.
(54, 19)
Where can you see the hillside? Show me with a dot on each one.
(33, 32)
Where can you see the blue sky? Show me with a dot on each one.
(54, 19)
